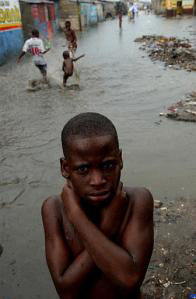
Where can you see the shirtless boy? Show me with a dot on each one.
(68, 66)
(98, 234)
(70, 37)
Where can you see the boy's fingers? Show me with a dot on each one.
(68, 191)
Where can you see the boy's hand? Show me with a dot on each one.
(70, 199)
(113, 214)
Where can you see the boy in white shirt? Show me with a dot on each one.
(35, 46)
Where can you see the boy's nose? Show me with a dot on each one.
(97, 178)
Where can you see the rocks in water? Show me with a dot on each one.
(183, 110)
(157, 204)
(176, 53)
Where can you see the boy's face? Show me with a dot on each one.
(94, 168)
(67, 26)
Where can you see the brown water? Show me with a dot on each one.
(116, 80)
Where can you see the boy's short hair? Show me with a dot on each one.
(85, 125)
(35, 33)
(66, 54)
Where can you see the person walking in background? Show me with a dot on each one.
(133, 10)
(119, 9)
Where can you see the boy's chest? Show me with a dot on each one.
(69, 35)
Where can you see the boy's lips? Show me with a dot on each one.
(99, 196)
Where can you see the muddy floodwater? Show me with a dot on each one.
(116, 79)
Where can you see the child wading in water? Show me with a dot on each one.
(71, 38)
(35, 47)
(68, 66)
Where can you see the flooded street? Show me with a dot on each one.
(116, 79)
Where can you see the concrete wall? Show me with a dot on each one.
(84, 13)
(109, 9)
(41, 16)
(186, 5)
(159, 6)
(100, 12)
(11, 36)
(70, 11)
(89, 13)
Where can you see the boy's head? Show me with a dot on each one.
(92, 158)
(66, 54)
(85, 125)
(68, 25)
(35, 33)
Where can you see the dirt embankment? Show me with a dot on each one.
(172, 270)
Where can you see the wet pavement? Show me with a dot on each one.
(117, 80)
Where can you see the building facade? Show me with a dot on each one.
(179, 7)
(173, 7)
(81, 13)
(39, 14)
(11, 35)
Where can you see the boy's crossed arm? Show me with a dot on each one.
(67, 275)
(125, 266)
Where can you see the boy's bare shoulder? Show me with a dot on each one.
(52, 206)
(141, 199)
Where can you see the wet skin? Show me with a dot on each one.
(93, 168)
(70, 37)
(68, 66)
(99, 236)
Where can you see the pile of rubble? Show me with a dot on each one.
(176, 53)
(183, 110)
(171, 272)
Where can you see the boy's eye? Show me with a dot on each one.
(82, 169)
(109, 165)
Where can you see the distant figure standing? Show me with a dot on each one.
(120, 13)
(35, 46)
(133, 11)
(68, 66)
(70, 37)
(120, 19)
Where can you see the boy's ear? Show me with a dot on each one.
(64, 168)
(120, 159)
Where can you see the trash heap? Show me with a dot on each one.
(183, 110)
(176, 53)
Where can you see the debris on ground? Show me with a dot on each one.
(157, 204)
(176, 53)
(172, 269)
(183, 110)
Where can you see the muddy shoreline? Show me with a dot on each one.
(173, 265)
